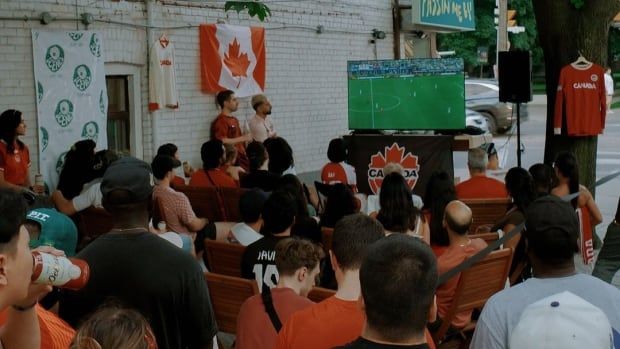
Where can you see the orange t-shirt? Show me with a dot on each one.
(227, 126)
(55, 333)
(481, 187)
(453, 256)
(325, 325)
(212, 178)
(254, 328)
(15, 165)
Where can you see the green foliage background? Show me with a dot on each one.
(466, 43)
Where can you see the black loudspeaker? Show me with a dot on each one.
(515, 76)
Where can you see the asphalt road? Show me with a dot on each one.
(533, 139)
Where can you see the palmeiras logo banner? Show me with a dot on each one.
(393, 154)
(70, 92)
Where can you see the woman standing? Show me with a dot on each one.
(567, 172)
(14, 154)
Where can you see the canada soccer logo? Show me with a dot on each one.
(395, 154)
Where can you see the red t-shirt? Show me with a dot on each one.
(453, 256)
(481, 187)
(325, 325)
(178, 181)
(227, 126)
(254, 328)
(15, 165)
(212, 178)
(338, 172)
(581, 100)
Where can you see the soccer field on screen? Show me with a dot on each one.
(407, 103)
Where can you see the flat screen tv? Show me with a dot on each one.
(406, 94)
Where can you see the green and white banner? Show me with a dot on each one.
(72, 101)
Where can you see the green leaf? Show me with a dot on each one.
(254, 8)
(578, 3)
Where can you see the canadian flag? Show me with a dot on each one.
(232, 58)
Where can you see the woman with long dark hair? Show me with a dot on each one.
(259, 176)
(397, 213)
(544, 178)
(340, 202)
(14, 154)
(439, 192)
(281, 159)
(520, 187)
(305, 226)
(567, 173)
(77, 169)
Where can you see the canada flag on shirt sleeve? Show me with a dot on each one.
(232, 58)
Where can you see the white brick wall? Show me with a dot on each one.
(306, 72)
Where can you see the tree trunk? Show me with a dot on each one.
(564, 32)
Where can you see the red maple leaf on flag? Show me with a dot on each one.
(395, 154)
(236, 61)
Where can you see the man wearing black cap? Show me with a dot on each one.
(131, 266)
(552, 229)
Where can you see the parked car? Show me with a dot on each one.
(483, 96)
(473, 119)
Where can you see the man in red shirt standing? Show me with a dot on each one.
(226, 127)
(479, 186)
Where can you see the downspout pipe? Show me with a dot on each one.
(150, 38)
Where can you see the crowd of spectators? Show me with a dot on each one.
(381, 255)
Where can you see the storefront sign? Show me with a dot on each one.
(445, 15)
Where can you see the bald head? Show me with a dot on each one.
(457, 217)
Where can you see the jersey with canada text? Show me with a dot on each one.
(580, 101)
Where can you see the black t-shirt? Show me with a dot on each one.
(144, 272)
(362, 343)
(265, 180)
(259, 261)
(307, 228)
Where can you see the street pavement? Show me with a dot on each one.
(533, 140)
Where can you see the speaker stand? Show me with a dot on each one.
(518, 134)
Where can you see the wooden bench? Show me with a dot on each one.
(217, 204)
(224, 258)
(205, 202)
(475, 286)
(486, 211)
(227, 294)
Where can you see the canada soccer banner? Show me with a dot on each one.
(419, 156)
(232, 58)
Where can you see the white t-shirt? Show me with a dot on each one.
(373, 204)
(609, 84)
(502, 312)
(162, 77)
(260, 128)
(244, 234)
(90, 196)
